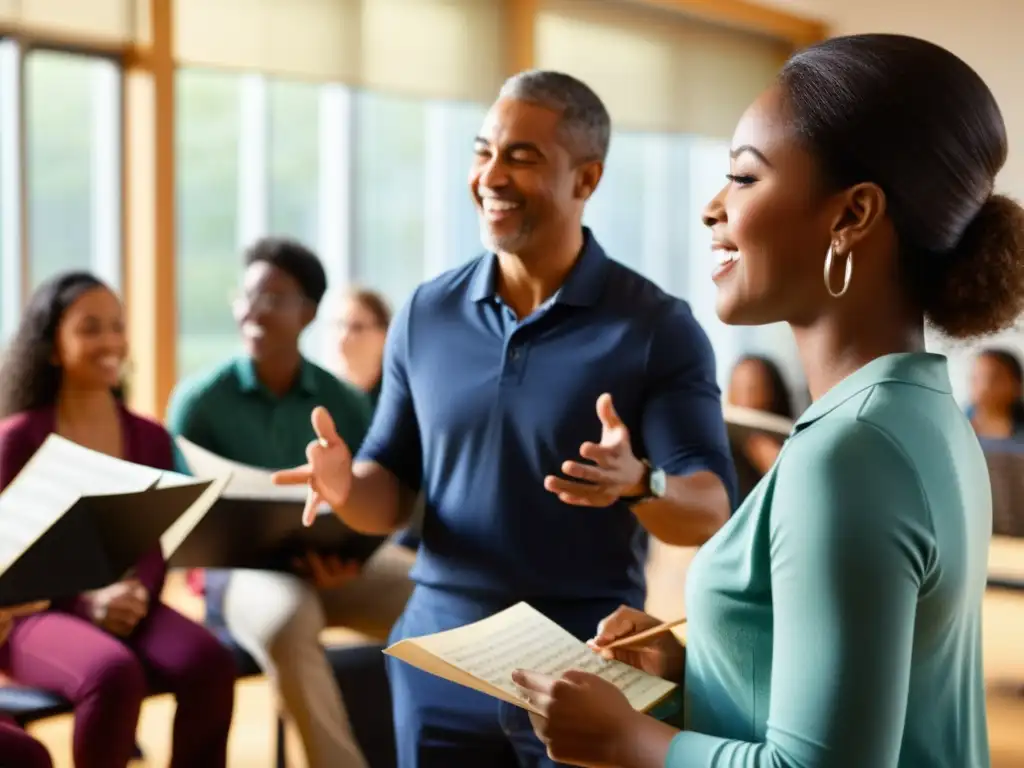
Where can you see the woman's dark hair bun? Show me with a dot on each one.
(977, 288)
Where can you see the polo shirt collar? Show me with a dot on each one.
(249, 382)
(582, 287)
(920, 369)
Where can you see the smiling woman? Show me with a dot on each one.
(835, 620)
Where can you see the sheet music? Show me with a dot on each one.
(523, 638)
(56, 476)
(246, 482)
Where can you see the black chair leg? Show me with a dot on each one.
(282, 761)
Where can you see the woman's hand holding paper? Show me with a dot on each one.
(328, 468)
(119, 607)
(662, 654)
(584, 719)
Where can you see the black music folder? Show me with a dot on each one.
(75, 520)
(256, 524)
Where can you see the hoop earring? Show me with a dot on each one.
(828, 274)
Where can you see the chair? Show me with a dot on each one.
(363, 680)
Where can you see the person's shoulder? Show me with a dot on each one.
(848, 452)
(453, 282)
(205, 382)
(333, 386)
(25, 425)
(628, 287)
(148, 429)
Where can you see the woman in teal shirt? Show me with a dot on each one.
(835, 621)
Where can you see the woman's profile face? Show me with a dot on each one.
(770, 223)
(992, 384)
(750, 387)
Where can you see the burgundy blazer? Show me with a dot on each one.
(145, 442)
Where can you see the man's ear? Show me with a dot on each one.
(588, 176)
(863, 211)
(308, 313)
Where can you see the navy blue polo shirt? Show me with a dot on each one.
(478, 406)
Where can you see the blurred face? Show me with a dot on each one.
(271, 311)
(750, 387)
(360, 336)
(91, 345)
(770, 225)
(527, 189)
(992, 385)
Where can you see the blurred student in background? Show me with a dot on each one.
(254, 409)
(996, 409)
(63, 374)
(757, 383)
(362, 329)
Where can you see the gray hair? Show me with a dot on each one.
(585, 124)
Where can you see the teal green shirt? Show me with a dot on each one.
(835, 620)
(229, 412)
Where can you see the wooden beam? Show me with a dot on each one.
(520, 31)
(749, 16)
(149, 221)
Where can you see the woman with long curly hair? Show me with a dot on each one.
(63, 374)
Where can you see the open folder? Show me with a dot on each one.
(256, 524)
(75, 519)
(483, 655)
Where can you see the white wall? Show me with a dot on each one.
(984, 33)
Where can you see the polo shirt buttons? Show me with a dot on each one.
(513, 353)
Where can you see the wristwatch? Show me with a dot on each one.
(654, 483)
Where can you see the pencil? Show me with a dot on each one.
(624, 642)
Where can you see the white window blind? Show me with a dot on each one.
(657, 71)
(434, 48)
(101, 21)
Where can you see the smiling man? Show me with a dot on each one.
(552, 405)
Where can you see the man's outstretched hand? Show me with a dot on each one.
(612, 470)
(327, 471)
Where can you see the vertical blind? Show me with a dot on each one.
(657, 71)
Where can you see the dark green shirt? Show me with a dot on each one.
(229, 412)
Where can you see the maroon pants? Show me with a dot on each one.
(19, 750)
(107, 678)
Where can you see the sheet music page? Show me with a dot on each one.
(190, 518)
(246, 482)
(523, 638)
(56, 476)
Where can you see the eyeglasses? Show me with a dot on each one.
(357, 327)
(265, 302)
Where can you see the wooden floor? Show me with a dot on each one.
(253, 731)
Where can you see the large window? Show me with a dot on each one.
(374, 184)
(390, 186)
(208, 263)
(72, 136)
(10, 184)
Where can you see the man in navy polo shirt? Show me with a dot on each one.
(493, 373)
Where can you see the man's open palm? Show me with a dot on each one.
(328, 468)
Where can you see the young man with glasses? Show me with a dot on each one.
(254, 409)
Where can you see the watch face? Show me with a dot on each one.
(658, 482)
